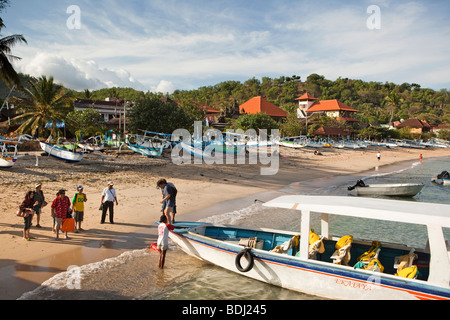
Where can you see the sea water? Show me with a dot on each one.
(135, 274)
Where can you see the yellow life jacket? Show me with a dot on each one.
(368, 255)
(410, 273)
(343, 242)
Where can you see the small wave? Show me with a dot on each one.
(73, 277)
(233, 217)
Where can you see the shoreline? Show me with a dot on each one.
(19, 276)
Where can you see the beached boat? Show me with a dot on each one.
(328, 266)
(61, 153)
(8, 156)
(209, 150)
(93, 144)
(292, 142)
(387, 189)
(146, 151)
(442, 178)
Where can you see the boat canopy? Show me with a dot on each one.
(371, 208)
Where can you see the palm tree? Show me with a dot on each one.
(393, 103)
(47, 102)
(7, 72)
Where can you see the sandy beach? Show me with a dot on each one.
(25, 265)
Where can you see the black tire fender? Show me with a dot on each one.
(249, 256)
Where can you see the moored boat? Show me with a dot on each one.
(328, 266)
(8, 155)
(442, 178)
(387, 189)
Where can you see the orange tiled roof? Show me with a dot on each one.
(306, 96)
(414, 123)
(259, 104)
(330, 105)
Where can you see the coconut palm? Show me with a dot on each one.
(47, 102)
(7, 72)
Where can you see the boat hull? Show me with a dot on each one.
(307, 276)
(148, 152)
(62, 154)
(6, 163)
(396, 190)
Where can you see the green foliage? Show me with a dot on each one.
(153, 114)
(47, 102)
(292, 127)
(257, 121)
(89, 122)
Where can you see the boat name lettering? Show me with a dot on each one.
(356, 285)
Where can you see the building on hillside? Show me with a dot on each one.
(110, 108)
(309, 106)
(330, 132)
(211, 115)
(259, 104)
(416, 126)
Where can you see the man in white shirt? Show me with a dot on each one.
(108, 198)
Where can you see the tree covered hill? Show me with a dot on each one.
(376, 102)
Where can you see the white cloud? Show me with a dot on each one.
(78, 74)
(163, 87)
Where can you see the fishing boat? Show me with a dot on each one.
(8, 156)
(387, 189)
(93, 144)
(336, 267)
(210, 150)
(61, 153)
(442, 178)
(292, 142)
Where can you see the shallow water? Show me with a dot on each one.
(135, 275)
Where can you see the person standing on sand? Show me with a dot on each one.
(169, 197)
(27, 205)
(108, 197)
(39, 200)
(60, 206)
(379, 155)
(78, 208)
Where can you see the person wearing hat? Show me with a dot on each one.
(39, 203)
(78, 208)
(108, 197)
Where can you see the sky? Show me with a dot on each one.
(165, 45)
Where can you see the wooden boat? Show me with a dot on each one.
(388, 189)
(61, 153)
(146, 151)
(324, 265)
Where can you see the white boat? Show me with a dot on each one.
(293, 261)
(387, 189)
(442, 178)
(93, 144)
(61, 153)
(292, 142)
(8, 157)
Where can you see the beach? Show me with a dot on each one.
(203, 190)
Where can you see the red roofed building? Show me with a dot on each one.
(259, 104)
(415, 125)
(309, 105)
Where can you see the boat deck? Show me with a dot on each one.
(271, 239)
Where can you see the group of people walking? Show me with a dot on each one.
(63, 209)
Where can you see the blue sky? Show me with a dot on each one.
(163, 45)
